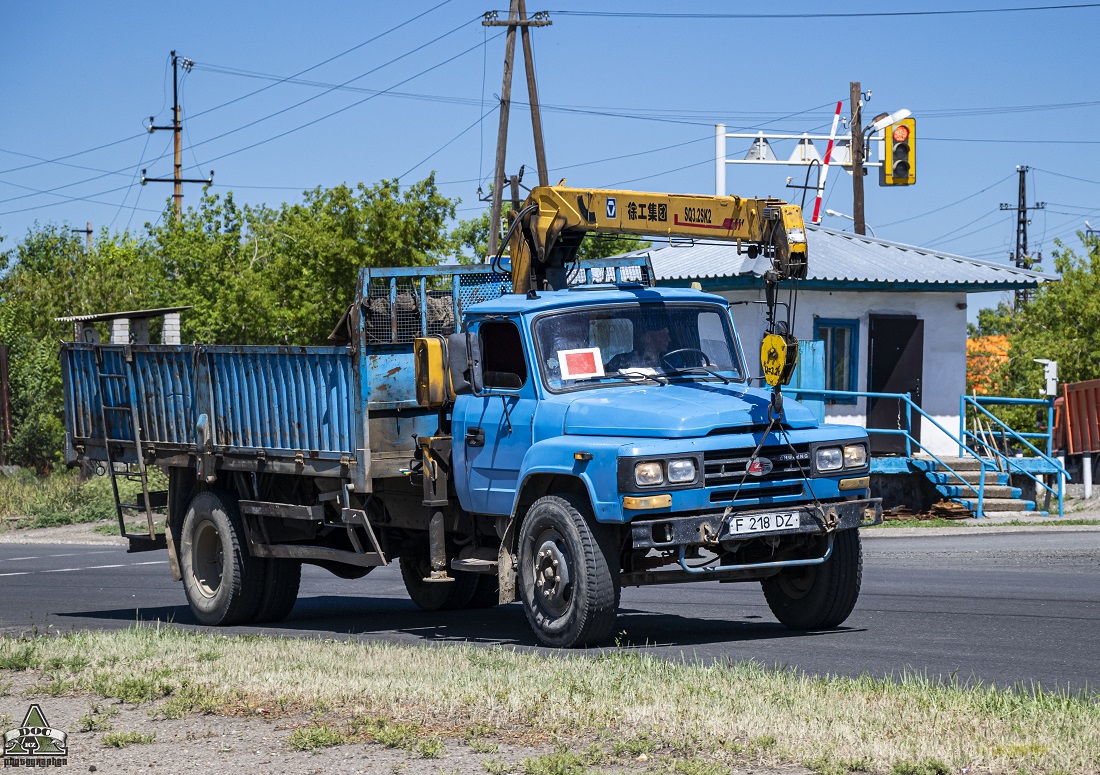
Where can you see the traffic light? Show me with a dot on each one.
(899, 167)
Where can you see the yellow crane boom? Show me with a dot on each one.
(554, 220)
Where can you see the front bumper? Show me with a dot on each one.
(713, 529)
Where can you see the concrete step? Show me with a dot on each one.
(992, 505)
(960, 464)
(991, 491)
(946, 477)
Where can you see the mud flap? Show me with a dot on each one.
(506, 565)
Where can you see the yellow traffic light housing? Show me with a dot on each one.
(899, 163)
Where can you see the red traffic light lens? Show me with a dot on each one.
(901, 133)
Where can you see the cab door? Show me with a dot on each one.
(492, 432)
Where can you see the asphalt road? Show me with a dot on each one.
(996, 608)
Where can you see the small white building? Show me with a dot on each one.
(892, 318)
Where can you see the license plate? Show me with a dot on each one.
(765, 523)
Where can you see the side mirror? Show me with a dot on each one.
(464, 364)
(430, 353)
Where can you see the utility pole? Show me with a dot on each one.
(177, 140)
(1021, 257)
(87, 232)
(856, 127)
(517, 18)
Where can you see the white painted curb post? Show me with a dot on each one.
(1086, 473)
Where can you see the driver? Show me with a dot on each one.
(649, 346)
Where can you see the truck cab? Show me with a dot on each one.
(628, 411)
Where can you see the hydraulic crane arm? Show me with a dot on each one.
(554, 220)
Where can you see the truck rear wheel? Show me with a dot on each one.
(435, 595)
(819, 597)
(567, 588)
(282, 578)
(222, 581)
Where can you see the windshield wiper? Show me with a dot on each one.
(702, 370)
(631, 373)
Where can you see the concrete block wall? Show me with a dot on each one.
(120, 331)
(170, 332)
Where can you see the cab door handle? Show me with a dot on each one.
(475, 437)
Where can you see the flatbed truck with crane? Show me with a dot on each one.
(540, 429)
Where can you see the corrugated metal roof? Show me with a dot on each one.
(134, 314)
(844, 258)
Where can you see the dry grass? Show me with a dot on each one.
(737, 712)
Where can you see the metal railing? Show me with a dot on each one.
(906, 400)
(1009, 435)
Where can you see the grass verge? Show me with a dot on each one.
(28, 501)
(891, 524)
(398, 696)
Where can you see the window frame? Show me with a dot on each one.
(852, 324)
(721, 309)
(491, 389)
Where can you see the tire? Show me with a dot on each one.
(222, 581)
(486, 592)
(281, 581)
(565, 582)
(819, 597)
(435, 595)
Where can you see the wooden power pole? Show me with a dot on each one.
(87, 232)
(856, 125)
(1022, 257)
(176, 128)
(517, 18)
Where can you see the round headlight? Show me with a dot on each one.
(855, 456)
(828, 459)
(648, 474)
(681, 471)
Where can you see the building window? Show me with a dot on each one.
(841, 338)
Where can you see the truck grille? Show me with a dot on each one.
(727, 466)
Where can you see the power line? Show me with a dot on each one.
(230, 102)
(477, 122)
(1027, 140)
(1062, 175)
(952, 204)
(279, 112)
(340, 110)
(333, 88)
(67, 198)
(201, 66)
(851, 15)
(943, 237)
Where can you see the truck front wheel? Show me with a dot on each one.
(565, 582)
(222, 581)
(819, 597)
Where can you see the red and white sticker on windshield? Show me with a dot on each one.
(580, 364)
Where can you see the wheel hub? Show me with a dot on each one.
(553, 584)
(207, 559)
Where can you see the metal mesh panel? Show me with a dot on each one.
(392, 310)
(473, 288)
(610, 275)
(441, 306)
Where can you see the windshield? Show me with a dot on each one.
(645, 342)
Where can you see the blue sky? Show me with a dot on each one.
(629, 102)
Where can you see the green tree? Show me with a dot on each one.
(473, 235)
(49, 275)
(1061, 322)
(264, 275)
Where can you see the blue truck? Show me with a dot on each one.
(550, 446)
